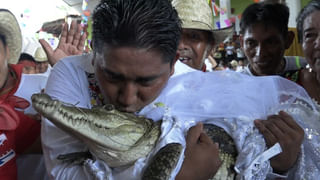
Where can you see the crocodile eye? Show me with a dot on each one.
(109, 107)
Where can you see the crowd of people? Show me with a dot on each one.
(150, 51)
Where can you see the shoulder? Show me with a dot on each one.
(70, 67)
(81, 62)
(68, 78)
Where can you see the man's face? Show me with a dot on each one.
(131, 78)
(41, 67)
(264, 47)
(311, 41)
(29, 67)
(194, 47)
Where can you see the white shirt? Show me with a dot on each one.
(229, 50)
(191, 97)
(181, 68)
(292, 63)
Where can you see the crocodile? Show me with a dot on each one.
(120, 138)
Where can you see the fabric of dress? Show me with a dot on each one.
(17, 131)
(228, 99)
(184, 98)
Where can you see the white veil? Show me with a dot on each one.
(232, 101)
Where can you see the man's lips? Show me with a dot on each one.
(184, 59)
(262, 63)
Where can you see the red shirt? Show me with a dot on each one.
(17, 131)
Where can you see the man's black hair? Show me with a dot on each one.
(312, 6)
(26, 57)
(145, 24)
(268, 14)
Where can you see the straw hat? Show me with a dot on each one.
(40, 55)
(9, 28)
(197, 14)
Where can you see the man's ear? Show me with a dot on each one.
(290, 38)
(174, 62)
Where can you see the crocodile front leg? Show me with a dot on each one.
(163, 163)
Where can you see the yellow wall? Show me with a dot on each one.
(295, 48)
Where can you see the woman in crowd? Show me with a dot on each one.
(308, 28)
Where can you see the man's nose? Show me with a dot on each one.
(128, 94)
(260, 50)
(317, 42)
(183, 44)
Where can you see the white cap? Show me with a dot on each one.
(40, 55)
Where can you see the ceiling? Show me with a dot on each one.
(73, 2)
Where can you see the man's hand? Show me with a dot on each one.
(283, 129)
(71, 42)
(201, 156)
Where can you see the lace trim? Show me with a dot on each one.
(316, 103)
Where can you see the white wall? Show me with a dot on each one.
(36, 12)
(295, 7)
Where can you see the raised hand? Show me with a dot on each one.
(71, 42)
(283, 129)
(201, 156)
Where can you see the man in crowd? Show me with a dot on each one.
(198, 35)
(28, 62)
(264, 39)
(42, 64)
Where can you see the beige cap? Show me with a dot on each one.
(40, 55)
